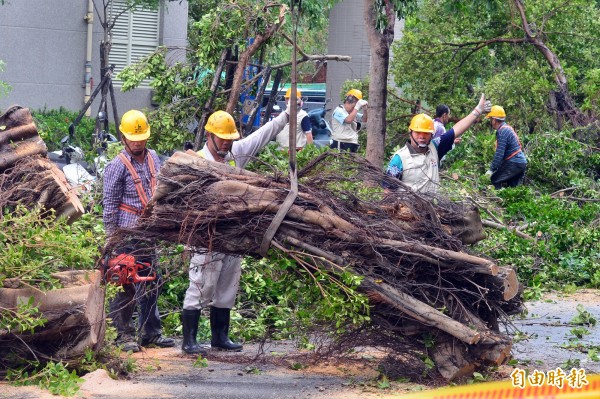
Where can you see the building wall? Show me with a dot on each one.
(43, 44)
(347, 36)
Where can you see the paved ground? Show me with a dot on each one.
(166, 373)
(547, 330)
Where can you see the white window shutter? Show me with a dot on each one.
(134, 36)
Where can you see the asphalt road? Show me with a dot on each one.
(167, 373)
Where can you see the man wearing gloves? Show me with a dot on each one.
(346, 122)
(215, 277)
(509, 164)
(416, 164)
(303, 125)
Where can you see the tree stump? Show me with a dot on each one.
(75, 319)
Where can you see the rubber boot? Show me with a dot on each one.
(219, 327)
(190, 318)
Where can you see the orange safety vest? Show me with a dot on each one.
(518, 141)
(138, 184)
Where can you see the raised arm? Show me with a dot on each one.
(465, 123)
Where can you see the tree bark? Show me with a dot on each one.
(75, 319)
(380, 57)
(564, 101)
(245, 57)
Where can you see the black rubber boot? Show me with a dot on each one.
(190, 320)
(219, 327)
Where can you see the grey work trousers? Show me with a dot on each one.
(214, 281)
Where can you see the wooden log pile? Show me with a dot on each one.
(408, 248)
(74, 318)
(27, 177)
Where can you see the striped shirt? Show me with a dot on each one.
(507, 143)
(119, 188)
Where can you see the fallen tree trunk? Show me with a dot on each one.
(10, 154)
(18, 133)
(74, 319)
(49, 188)
(412, 261)
(27, 177)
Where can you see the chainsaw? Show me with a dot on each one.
(123, 269)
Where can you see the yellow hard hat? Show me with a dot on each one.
(421, 123)
(288, 93)
(354, 92)
(222, 125)
(497, 112)
(134, 126)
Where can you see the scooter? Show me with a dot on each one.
(70, 159)
(321, 130)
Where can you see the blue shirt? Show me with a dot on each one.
(507, 144)
(442, 144)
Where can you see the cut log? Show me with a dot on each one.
(510, 282)
(451, 361)
(15, 116)
(75, 319)
(49, 188)
(449, 358)
(18, 133)
(422, 312)
(21, 150)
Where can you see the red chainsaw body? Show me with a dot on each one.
(123, 269)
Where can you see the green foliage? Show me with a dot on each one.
(557, 161)
(565, 250)
(273, 159)
(55, 377)
(25, 318)
(53, 125)
(591, 88)
(4, 87)
(289, 301)
(200, 362)
(511, 72)
(579, 332)
(583, 317)
(32, 247)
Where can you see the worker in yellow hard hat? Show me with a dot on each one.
(129, 182)
(509, 164)
(417, 163)
(303, 125)
(347, 120)
(214, 277)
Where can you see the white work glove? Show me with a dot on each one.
(482, 106)
(487, 107)
(360, 104)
